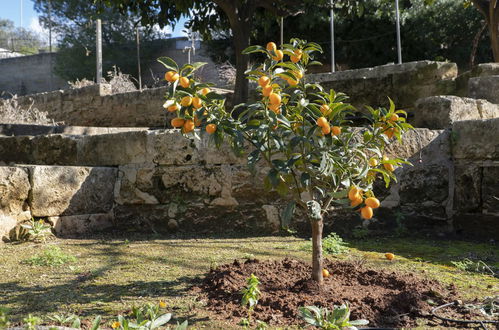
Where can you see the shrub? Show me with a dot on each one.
(11, 112)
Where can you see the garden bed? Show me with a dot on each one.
(385, 298)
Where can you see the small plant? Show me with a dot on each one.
(360, 232)
(96, 323)
(251, 294)
(322, 318)
(37, 230)
(401, 229)
(31, 322)
(12, 112)
(146, 317)
(332, 244)
(4, 318)
(52, 256)
(467, 265)
(72, 321)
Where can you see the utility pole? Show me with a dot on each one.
(333, 60)
(138, 58)
(399, 43)
(99, 51)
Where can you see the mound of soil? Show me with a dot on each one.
(386, 299)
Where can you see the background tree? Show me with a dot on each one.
(18, 39)
(73, 23)
(490, 10)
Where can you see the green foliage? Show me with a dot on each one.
(147, 317)
(322, 318)
(360, 232)
(37, 230)
(479, 266)
(332, 244)
(251, 294)
(72, 321)
(31, 322)
(52, 256)
(4, 318)
(18, 39)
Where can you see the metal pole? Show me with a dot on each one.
(99, 51)
(138, 59)
(333, 61)
(282, 31)
(399, 44)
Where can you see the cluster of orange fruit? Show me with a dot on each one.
(355, 195)
(387, 125)
(190, 102)
(268, 92)
(323, 123)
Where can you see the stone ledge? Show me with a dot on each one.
(476, 139)
(486, 87)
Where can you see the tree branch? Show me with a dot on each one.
(281, 8)
(483, 7)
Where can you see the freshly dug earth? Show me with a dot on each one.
(386, 299)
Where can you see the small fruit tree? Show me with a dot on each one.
(304, 135)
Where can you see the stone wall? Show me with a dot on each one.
(96, 105)
(158, 180)
(29, 74)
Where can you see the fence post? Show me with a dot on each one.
(399, 43)
(333, 60)
(99, 51)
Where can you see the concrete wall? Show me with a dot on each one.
(29, 75)
(159, 180)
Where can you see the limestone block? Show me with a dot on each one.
(132, 184)
(424, 183)
(206, 181)
(476, 225)
(467, 187)
(14, 190)
(7, 223)
(439, 112)
(16, 149)
(476, 139)
(113, 149)
(486, 87)
(169, 147)
(81, 224)
(67, 190)
(272, 215)
(486, 69)
(490, 190)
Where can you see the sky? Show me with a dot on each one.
(11, 9)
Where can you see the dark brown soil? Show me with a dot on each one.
(386, 299)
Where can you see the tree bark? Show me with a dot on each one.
(490, 10)
(317, 226)
(241, 34)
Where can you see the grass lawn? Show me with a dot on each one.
(111, 274)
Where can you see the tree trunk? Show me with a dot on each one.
(494, 35)
(317, 250)
(241, 41)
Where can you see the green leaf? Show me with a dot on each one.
(254, 49)
(163, 319)
(96, 323)
(169, 63)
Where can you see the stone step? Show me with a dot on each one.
(439, 112)
(486, 87)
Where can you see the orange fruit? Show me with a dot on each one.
(389, 132)
(275, 98)
(325, 109)
(295, 59)
(322, 121)
(197, 102)
(184, 82)
(389, 256)
(373, 162)
(298, 52)
(211, 128)
(389, 167)
(197, 122)
(276, 108)
(372, 202)
(188, 126)
(177, 122)
(394, 117)
(292, 82)
(325, 272)
(171, 76)
(298, 74)
(174, 107)
(263, 81)
(326, 129)
(336, 130)
(353, 192)
(357, 200)
(186, 101)
(279, 55)
(204, 91)
(271, 47)
(267, 90)
(366, 212)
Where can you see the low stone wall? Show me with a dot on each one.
(158, 180)
(403, 83)
(96, 105)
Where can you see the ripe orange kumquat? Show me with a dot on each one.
(275, 98)
(177, 122)
(188, 126)
(267, 90)
(372, 202)
(271, 47)
(336, 130)
(171, 76)
(204, 91)
(366, 212)
(211, 128)
(184, 82)
(322, 121)
(279, 55)
(197, 102)
(186, 101)
(389, 256)
(325, 273)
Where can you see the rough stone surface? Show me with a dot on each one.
(404, 83)
(81, 224)
(479, 226)
(467, 191)
(14, 190)
(490, 190)
(65, 190)
(476, 139)
(439, 112)
(33, 130)
(486, 69)
(7, 223)
(485, 88)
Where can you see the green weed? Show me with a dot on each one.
(52, 256)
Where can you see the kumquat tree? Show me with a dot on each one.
(304, 135)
